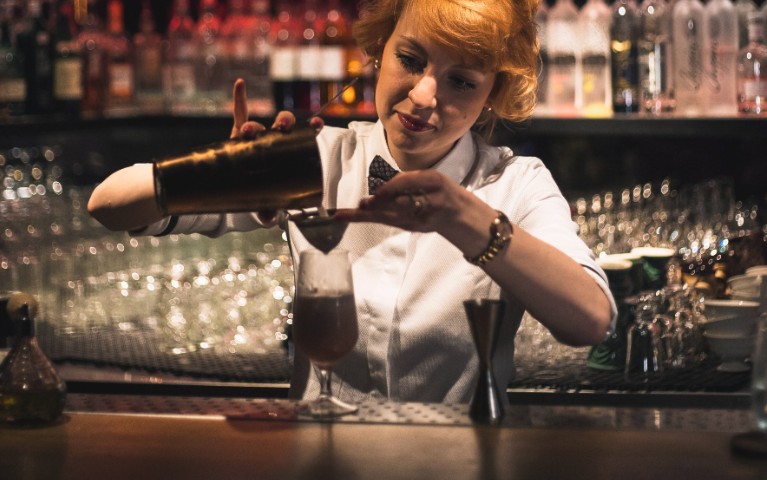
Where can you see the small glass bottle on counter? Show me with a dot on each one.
(30, 389)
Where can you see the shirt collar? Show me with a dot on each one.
(455, 165)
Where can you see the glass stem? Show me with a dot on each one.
(325, 374)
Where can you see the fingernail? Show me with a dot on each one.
(280, 124)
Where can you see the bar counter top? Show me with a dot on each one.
(147, 437)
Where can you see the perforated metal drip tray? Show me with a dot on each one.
(539, 416)
(138, 350)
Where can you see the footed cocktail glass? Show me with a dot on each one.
(325, 321)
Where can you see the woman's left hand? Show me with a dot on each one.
(427, 201)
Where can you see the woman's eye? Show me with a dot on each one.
(409, 63)
(462, 84)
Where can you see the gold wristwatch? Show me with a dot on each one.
(501, 232)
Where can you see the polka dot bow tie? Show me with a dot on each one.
(380, 173)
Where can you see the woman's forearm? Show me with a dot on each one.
(126, 199)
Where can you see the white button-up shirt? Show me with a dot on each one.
(414, 340)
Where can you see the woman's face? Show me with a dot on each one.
(426, 98)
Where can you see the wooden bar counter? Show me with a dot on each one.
(134, 437)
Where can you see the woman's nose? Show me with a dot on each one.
(424, 93)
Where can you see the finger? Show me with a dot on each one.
(424, 181)
(316, 123)
(249, 129)
(240, 107)
(284, 121)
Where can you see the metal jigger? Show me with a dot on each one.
(485, 321)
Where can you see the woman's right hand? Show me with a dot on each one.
(246, 129)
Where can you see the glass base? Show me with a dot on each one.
(326, 407)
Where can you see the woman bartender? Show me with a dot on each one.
(459, 220)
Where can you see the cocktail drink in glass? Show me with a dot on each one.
(325, 321)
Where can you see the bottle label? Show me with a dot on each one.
(283, 64)
(182, 79)
(12, 90)
(68, 79)
(754, 88)
(309, 62)
(121, 80)
(333, 63)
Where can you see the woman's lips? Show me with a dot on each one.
(413, 124)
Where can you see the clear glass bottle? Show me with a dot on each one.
(335, 45)
(564, 70)
(720, 43)
(687, 31)
(752, 70)
(284, 55)
(147, 44)
(744, 8)
(594, 31)
(261, 90)
(211, 68)
(541, 20)
(624, 36)
(120, 63)
(654, 58)
(67, 64)
(13, 88)
(92, 46)
(31, 390)
(309, 66)
(247, 41)
(179, 82)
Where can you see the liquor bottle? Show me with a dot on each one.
(261, 92)
(67, 63)
(744, 8)
(147, 44)
(541, 20)
(687, 33)
(120, 64)
(363, 67)
(564, 71)
(283, 65)
(179, 82)
(752, 77)
(247, 48)
(308, 97)
(624, 36)
(336, 58)
(30, 389)
(237, 37)
(211, 70)
(720, 43)
(654, 58)
(36, 42)
(92, 46)
(594, 32)
(13, 88)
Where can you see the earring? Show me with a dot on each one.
(377, 63)
(488, 109)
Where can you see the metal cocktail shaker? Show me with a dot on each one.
(276, 170)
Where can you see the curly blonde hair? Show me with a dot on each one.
(493, 35)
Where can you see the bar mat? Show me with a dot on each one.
(139, 349)
(571, 376)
